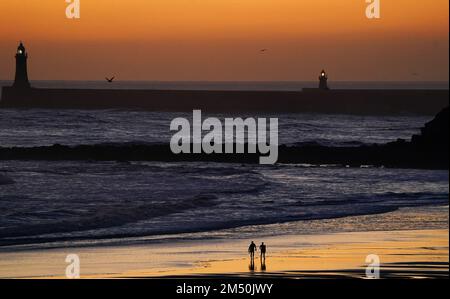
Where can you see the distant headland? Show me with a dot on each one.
(309, 100)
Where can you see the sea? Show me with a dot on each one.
(89, 202)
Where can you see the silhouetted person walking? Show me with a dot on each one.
(262, 250)
(251, 250)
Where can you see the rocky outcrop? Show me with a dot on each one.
(435, 134)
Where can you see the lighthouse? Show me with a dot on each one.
(323, 78)
(21, 79)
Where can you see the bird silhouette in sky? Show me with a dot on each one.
(110, 80)
(263, 51)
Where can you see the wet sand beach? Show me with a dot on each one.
(402, 253)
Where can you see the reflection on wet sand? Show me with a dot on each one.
(253, 268)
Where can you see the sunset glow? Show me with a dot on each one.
(221, 40)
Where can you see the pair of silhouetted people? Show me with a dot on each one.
(252, 249)
(262, 249)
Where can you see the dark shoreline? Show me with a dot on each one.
(393, 155)
(340, 101)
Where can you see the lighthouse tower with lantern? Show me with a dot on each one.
(323, 81)
(21, 79)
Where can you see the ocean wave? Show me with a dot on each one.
(394, 199)
(111, 217)
(101, 200)
(330, 143)
(4, 180)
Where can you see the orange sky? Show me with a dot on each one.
(221, 39)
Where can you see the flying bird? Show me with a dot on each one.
(262, 51)
(109, 80)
